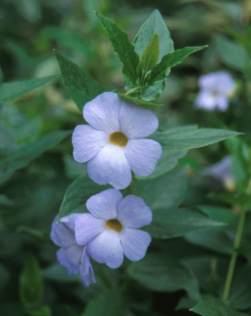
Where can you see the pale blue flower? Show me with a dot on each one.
(111, 229)
(215, 90)
(71, 255)
(222, 171)
(114, 142)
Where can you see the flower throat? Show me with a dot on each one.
(119, 139)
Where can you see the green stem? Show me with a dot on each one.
(234, 256)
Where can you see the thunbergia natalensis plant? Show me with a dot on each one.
(123, 145)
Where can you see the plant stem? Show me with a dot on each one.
(233, 260)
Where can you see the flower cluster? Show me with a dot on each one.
(114, 144)
(215, 90)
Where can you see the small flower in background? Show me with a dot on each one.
(111, 229)
(222, 171)
(114, 143)
(70, 255)
(215, 90)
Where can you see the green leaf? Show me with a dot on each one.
(5, 201)
(231, 53)
(41, 311)
(162, 273)
(168, 161)
(31, 284)
(66, 38)
(109, 303)
(191, 137)
(77, 193)
(175, 184)
(30, 10)
(7, 139)
(240, 296)
(24, 154)
(171, 60)
(150, 55)
(221, 214)
(168, 220)
(78, 85)
(178, 141)
(141, 102)
(31, 232)
(170, 223)
(207, 268)
(4, 277)
(212, 238)
(15, 89)
(211, 306)
(58, 274)
(123, 48)
(239, 161)
(154, 24)
(12, 309)
(153, 91)
(154, 81)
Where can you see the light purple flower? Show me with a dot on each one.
(215, 91)
(111, 229)
(71, 255)
(114, 142)
(222, 171)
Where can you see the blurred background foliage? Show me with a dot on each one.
(31, 283)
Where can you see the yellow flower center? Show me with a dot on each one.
(119, 139)
(114, 224)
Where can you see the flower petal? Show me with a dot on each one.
(70, 258)
(110, 166)
(204, 100)
(86, 270)
(106, 248)
(135, 243)
(137, 122)
(87, 227)
(104, 204)
(143, 155)
(221, 103)
(87, 142)
(74, 254)
(102, 112)
(220, 81)
(207, 81)
(133, 212)
(70, 220)
(61, 235)
(221, 170)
